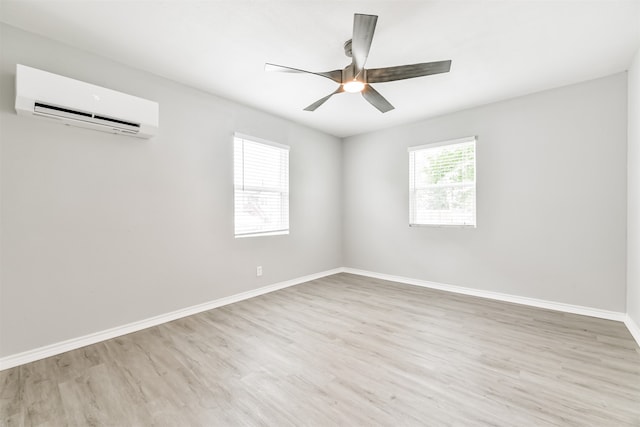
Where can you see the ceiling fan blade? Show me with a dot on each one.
(335, 75)
(401, 72)
(363, 28)
(321, 101)
(377, 100)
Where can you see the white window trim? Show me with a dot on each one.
(441, 143)
(261, 141)
(272, 144)
(475, 179)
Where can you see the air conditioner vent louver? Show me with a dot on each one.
(40, 107)
(76, 103)
(60, 112)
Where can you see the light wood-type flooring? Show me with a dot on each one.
(343, 350)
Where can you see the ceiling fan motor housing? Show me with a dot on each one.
(347, 48)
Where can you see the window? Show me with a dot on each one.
(442, 183)
(261, 183)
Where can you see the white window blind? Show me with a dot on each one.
(442, 183)
(261, 182)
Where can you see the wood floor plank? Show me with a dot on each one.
(12, 397)
(343, 350)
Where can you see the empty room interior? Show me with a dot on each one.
(274, 213)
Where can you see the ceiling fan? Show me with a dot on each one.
(355, 78)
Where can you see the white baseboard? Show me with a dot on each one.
(74, 343)
(551, 305)
(633, 328)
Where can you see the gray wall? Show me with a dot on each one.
(100, 230)
(551, 197)
(633, 212)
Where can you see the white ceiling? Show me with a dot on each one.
(500, 49)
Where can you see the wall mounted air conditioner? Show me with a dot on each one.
(76, 103)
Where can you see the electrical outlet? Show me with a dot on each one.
(259, 271)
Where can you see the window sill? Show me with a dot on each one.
(266, 233)
(443, 225)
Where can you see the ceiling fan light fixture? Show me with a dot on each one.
(353, 86)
